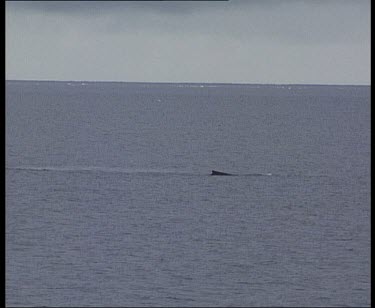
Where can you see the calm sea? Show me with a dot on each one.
(110, 202)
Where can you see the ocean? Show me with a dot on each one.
(110, 201)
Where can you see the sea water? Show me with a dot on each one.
(110, 202)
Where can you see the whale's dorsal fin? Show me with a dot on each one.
(214, 172)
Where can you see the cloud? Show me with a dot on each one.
(213, 41)
(87, 7)
(294, 21)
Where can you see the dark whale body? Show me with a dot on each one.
(219, 173)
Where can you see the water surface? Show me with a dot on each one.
(110, 202)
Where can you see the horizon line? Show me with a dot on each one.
(189, 82)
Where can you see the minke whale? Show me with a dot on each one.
(214, 172)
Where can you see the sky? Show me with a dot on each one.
(249, 41)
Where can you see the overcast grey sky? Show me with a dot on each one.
(259, 41)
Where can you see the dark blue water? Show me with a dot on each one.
(110, 202)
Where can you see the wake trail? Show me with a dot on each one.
(119, 170)
(100, 169)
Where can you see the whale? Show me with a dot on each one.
(214, 172)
